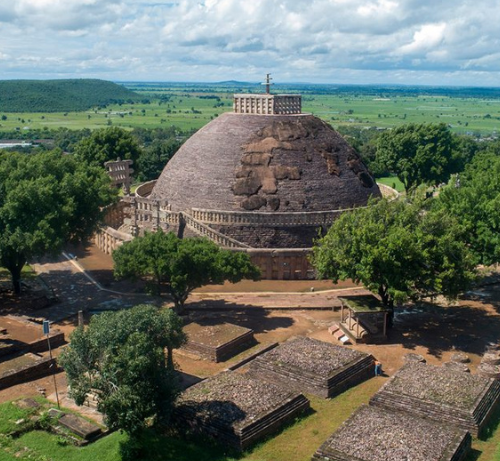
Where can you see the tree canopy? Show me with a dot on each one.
(397, 251)
(419, 154)
(180, 265)
(106, 145)
(474, 200)
(154, 158)
(120, 357)
(61, 95)
(46, 200)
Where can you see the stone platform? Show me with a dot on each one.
(237, 410)
(312, 366)
(376, 434)
(442, 394)
(217, 342)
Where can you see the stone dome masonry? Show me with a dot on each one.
(247, 162)
(261, 179)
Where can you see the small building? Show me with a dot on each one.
(363, 319)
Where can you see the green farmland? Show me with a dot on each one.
(191, 106)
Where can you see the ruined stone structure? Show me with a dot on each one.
(264, 179)
(312, 366)
(442, 394)
(217, 341)
(237, 410)
(120, 173)
(376, 434)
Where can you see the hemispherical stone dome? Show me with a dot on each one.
(265, 163)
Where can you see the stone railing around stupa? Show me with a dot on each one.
(203, 230)
(268, 219)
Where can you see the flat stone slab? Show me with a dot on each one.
(80, 426)
(27, 403)
(375, 434)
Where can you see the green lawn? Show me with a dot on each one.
(392, 181)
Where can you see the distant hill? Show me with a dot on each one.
(60, 95)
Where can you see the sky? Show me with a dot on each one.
(416, 42)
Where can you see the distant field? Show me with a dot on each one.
(191, 108)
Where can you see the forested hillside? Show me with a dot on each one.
(60, 95)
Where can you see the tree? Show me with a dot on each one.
(419, 154)
(397, 250)
(155, 157)
(476, 204)
(46, 199)
(180, 265)
(106, 145)
(120, 357)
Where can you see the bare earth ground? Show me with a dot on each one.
(275, 311)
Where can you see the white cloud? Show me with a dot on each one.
(406, 41)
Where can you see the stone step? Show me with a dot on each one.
(335, 327)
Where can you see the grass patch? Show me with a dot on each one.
(392, 181)
(10, 414)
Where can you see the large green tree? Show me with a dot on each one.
(155, 157)
(419, 154)
(474, 199)
(106, 145)
(396, 250)
(46, 200)
(178, 266)
(120, 357)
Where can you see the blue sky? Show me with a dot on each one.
(429, 42)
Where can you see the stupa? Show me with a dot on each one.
(260, 179)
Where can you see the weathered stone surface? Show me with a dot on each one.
(374, 434)
(256, 159)
(441, 394)
(313, 366)
(460, 357)
(273, 203)
(207, 169)
(80, 426)
(458, 366)
(412, 357)
(217, 341)
(238, 410)
(255, 202)
(248, 185)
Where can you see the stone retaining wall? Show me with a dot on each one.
(39, 369)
